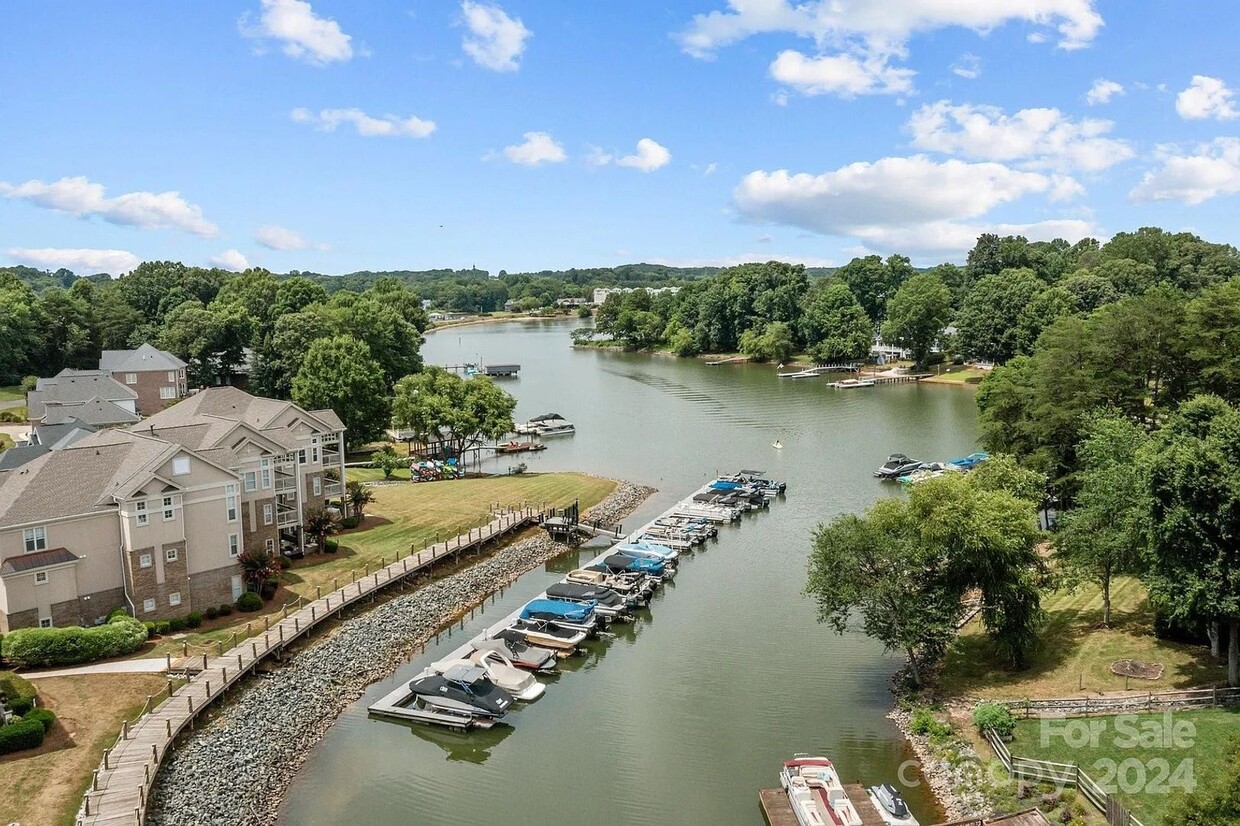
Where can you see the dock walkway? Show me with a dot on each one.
(121, 786)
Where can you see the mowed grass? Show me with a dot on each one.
(44, 786)
(1076, 652)
(1143, 759)
(12, 393)
(958, 375)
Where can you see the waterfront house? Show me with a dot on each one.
(157, 376)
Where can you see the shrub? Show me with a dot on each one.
(926, 724)
(994, 716)
(286, 562)
(21, 706)
(212, 612)
(176, 625)
(33, 647)
(249, 601)
(45, 716)
(193, 619)
(22, 735)
(161, 627)
(349, 523)
(12, 686)
(331, 546)
(225, 610)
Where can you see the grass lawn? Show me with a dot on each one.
(1147, 777)
(401, 517)
(374, 474)
(956, 374)
(12, 393)
(1076, 653)
(6, 441)
(43, 786)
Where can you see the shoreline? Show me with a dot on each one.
(473, 322)
(237, 767)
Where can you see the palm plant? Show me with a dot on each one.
(358, 497)
(320, 523)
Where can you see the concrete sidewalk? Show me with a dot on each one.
(143, 666)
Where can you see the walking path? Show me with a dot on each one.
(149, 665)
(122, 784)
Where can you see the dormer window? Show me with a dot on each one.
(180, 466)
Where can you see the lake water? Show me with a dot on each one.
(687, 713)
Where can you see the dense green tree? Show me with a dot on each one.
(67, 332)
(834, 326)
(442, 407)
(339, 373)
(295, 294)
(211, 341)
(279, 359)
(1040, 313)
(771, 343)
(1213, 339)
(988, 321)
(872, 282)
(19, 328)
(1089, 290)
(917, 314)
(1105, 532)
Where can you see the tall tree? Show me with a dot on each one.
(917, 314)
(834, 326)
(988, 320)
(439, 406)
(871, 281)
(1213, 333)
(339, 373)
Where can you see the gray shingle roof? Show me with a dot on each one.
(57, 436)
(330, 418)
(98, 412)
(146, 357)
(225, 403)
(74, 387)
(41, 559)
(15, 457)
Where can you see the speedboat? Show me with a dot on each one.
(500, 670)
(463, 691)
(897, 465)
(715, 513)
(891, 806)
(513, 645)
(633, 586)
(850, 384)
(551, 424)
(816, 793)
(607, 603)
(971, 461)
(570, 616)
(929, 470)
(546, 635)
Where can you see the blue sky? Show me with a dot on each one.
(530, 134)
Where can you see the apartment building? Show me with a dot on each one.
(153, 517)
(157, 377)
(91, 397)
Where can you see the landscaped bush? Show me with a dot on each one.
(22, 735)
(176, 625)
(193, 620)
(225, 610)
(286, 562)
(21, 706)
(30, 647)
(13, 687)
(349, 523)
(45, 716)
(161, 627)
(212, 612)
(996, 717)
(249, 601)
(331, 546)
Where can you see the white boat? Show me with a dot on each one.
(548, 424)
(714, 513)
(500, 670)
(891, 807)
(816, 793)
(849, 384)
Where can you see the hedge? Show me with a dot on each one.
(22, 735)
(21, 706)
(45, 716)
(34, 647)
(249, 601)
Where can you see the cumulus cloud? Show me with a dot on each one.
(539, 148)
(1206, 97)
(969, 67)
(1037, 138)
(82, 261)
(1102, 91)
(230, 260)
(1210, 171)
(385, 126)
(282, 238)
(303, 34)
(81, 197)
(495, 40)
(650, 155)
(914, 201)
(844, 74)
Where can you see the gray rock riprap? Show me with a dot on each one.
(958, 778)
(234, 770)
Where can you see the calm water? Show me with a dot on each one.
(685, 715)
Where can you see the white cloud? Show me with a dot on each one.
(650, 155)
(496, 40)
(1038, 138)
(1102, 91)
(969, 67)
(843, 74)
(1211, 171)
(1206, 97)
(367, 126)
(539, 148)
(913, 201)
(282, 238)
(710, 169)
(743, 258)
(230, 260)
(81, 261)
(80, 197)
(305, 35)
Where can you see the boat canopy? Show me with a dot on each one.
(971, 460)
(721, 484)
(569, 611)
(548, 417)
(634, 563)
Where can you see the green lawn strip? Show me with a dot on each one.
(12, 393)
(1076, 653)
(1140, 757)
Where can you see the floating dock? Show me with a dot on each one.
(778, 811)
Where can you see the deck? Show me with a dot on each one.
(121, 786)
(778, 811)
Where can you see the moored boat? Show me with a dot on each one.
(463, 692)
(891, 807)
(816, 793)
(852, 384)
(513, 645)
(500, 670)
(897, 465)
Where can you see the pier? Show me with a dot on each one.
(778, 811)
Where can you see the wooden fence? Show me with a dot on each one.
(1150, 701)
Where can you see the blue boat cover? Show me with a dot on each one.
(568, 611)
(646, 546)
(722, 485)
(970, 460)
(635, 563)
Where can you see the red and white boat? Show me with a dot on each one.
(816, 793)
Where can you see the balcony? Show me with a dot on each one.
(287, 517)
(332, 487)
(286, 483)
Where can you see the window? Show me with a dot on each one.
(170, 554)
(131, 378)
(148, 605)
(317, 484)
(267, 514)
(170, 512)
(45, 622)
(230, 502)
(40, 578)
(270, 544)
(172, 376)
(234, 545)
(251, 481)
(301, 456)
(167, 392)
(180, 466)
(174, 598)
(314, 454)
(144, 561)
(143, 517)
(35, 539)
(266, 467)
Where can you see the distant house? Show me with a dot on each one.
(89, 396)
(157, 376)
(510, 306)
(571, 303)
(601, 293)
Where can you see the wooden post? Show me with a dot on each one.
(219, 648)
(266, 623)
(190, 702)
(335, 584)
(94, 783)
(169, 656)
(124, 729)
(281, 628)
(168, 727)
(204, 662)
(208, 689)
(185, 648)
(296, 627)
(253, 650)
(318, 592)
(312, 613)
(284, 609)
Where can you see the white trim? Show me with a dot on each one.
(45, 622)
(42, 581)
(38, 534)
(145, 560)
(148, 605)
(171, 554)
(174, 598)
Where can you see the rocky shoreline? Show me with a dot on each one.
(957, 783)
(235, 769)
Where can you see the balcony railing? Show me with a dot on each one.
(285, 483)
(287, 517)
(332, 487)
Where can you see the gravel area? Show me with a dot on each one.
(958, 783)
(235, 769)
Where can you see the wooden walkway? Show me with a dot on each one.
(778, 811)
(121, 786)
